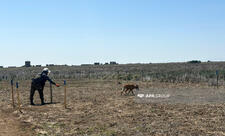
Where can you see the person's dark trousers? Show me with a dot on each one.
(41, 94)
(32, 91)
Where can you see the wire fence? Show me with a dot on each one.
(177, 73)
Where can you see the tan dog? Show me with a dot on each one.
(127, 89)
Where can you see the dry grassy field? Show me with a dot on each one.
(96, 108)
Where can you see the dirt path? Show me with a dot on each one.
(10, 126)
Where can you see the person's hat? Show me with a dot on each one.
(46, 70)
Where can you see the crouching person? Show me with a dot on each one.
(38, 83)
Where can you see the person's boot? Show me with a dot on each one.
(42, 102)
(32, 103)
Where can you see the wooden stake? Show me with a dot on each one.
(65, 94)
(18, 95)
(217, 79)
(51, 92)
(13, 104)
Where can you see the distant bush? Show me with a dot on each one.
(194, 61)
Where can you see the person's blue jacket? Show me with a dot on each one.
(39, 82)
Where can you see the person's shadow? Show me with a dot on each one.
(47, 103)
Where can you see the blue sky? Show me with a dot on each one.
(126, 31)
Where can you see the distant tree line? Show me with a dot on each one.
(170, 72)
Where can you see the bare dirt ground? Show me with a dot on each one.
(10, 126)
(96, 108)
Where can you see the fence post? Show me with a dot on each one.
(217, 78)
(51, 92)
(18, 95)
(13, 104)
(65, 94)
